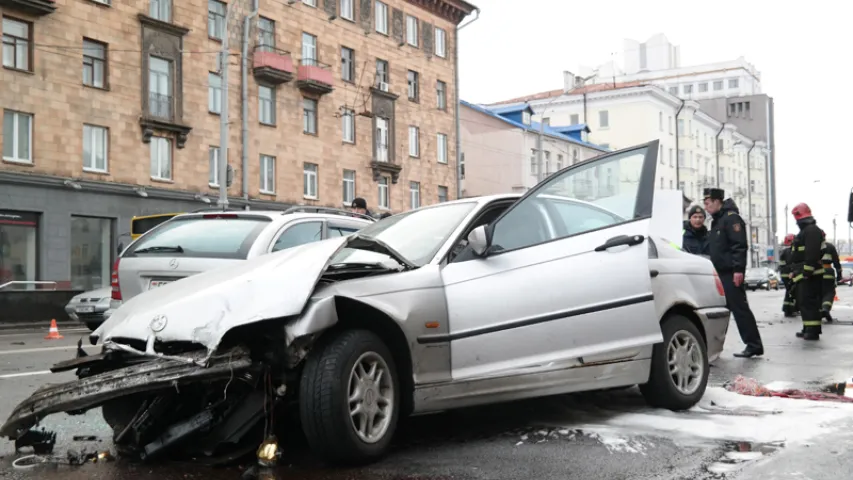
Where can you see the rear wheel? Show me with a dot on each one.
(679, 370)
(349, 398)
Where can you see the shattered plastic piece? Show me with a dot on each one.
(42, 441)
(84, 438)
(268, 452)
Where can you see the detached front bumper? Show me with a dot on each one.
(94, 391)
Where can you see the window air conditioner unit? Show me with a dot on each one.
(382, 86)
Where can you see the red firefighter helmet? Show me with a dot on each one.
(789, 239)
(800, 211)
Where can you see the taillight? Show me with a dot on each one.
(719, 284)
(116, 293)
(219, 215)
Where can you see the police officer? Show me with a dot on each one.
(831, 275)
(789, 303)
(807, 271)
(359, 205)
(695, 235)
(729, 246)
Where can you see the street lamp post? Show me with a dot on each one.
(786, 219)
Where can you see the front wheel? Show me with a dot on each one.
(679, 369)
(349, 398)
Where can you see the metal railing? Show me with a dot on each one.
(329, 210)
(261, 47)
(21, 282)
(160, 105)
(313, 62)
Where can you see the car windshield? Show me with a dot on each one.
(416, 235)
(757, 272)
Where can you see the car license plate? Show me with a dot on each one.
(85, 309)
(157, 283)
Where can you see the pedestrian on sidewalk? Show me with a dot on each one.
(729, 247)
(807, 269)
(789, 304)
(694, 236)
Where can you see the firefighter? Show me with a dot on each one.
(831, 275)
(728, 248)
(789, 304)
(694, 236)
(807, 271)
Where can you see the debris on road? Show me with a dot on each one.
(42, 441)
(751, 387)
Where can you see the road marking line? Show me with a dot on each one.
(25, 374)
(40, 332)
(43, 349)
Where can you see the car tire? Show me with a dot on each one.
(331, 372)
(662, 390)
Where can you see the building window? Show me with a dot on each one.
(94, 64)
(441, 148)
(17, 44)
(266, 34)
(673, 91)
(671, 157)
(19, 255)
(348, 187)
(412, 30)
(442, 194)
(703, 87)
(161, 158)
(382, 139)
(440, 42)
(415, 194)
(214, 93)
(347, 64)
(660, 121)
(718, 85)
(348, 125)
(91, 252)
(309, 180)
(309, 116)
(660, 155)
(213, 162)
(310, 3)
(267, 174)
(746, 112)
(681, 158)
(688, 89)
(414, 141)
(216, 19)
(382, 78)
(161, 10)
(348, 10)
(559, 162)
(383, 193)
(441, 94)
(574, 119)
(603, 119)
(381, 18)
(309, 49)
(462, 166)
(95, 148)
(160, 87)
(266, 105)
(414, 86)
(733, 83)
(525, 118)
(17, 137)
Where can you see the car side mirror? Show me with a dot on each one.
(850, 208)
(119, 249)
(479, 240)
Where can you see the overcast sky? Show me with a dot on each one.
(512, 51)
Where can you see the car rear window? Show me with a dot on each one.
(202, 237)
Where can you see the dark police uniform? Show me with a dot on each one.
(807, 271)
(831, 275)
(695, 240)
(729, 247)
(789, 304)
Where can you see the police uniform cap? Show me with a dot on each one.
(715, 193)
(694, 210)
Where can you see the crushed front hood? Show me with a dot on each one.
(204, 307)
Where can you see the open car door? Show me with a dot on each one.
(564, 281)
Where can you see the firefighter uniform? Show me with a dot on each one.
(807, 271)
(789, 304)
(831, 274)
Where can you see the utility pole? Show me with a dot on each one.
(222, 176)
(540, 150)
(786, 219)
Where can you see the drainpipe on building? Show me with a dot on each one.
(244, 137)
(749, 194)
(456, 94)
(717, 149)
(584, 109)
(677, 134)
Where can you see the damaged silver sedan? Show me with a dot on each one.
(464, 303)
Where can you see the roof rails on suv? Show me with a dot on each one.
(217, 209)
(328, 210)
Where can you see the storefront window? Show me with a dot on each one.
(18, 248)
(91, 252)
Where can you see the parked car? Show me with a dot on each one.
(846, 277)
(463, 303)
(761, 277)
(91, 308)
(191, 243)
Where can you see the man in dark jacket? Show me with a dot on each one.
(359, 205)
(729, 247)
(831, 276)
(695, 235)
(807, 270)
(789, 305)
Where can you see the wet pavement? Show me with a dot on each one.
(567, 437)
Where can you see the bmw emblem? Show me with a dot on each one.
(173, 263)
(158, 323)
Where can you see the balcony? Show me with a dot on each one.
(160, 114)
(160, 107)
(314, 77)
(31, 7)
(272, 66)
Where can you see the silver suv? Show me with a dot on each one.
(196, 242)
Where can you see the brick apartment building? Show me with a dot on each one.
(112, 109)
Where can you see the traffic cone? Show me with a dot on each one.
(836, 298)
(53, 334)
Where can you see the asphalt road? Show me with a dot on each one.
(606, 435)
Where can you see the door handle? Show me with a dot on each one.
(629, 240)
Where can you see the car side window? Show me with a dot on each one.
(299, 234)
(340, 231)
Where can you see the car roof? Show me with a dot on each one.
(286, 215)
